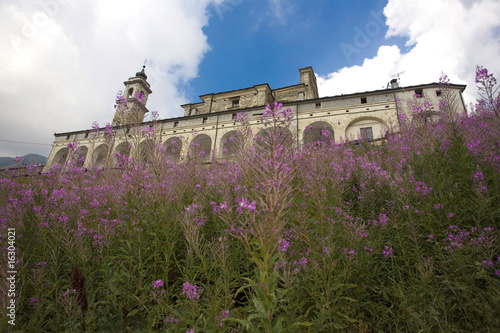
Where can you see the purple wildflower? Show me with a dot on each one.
(387, 251)
(172, 320)
(192, 291)
(223, 315)
(283, 245)
(157, 284)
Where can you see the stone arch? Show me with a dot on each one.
(229, 144)
(173, 148)
(122, 150)
(368, 128)
(318, 132)
(146, 150)
(60, 157)
(201, 147)
(81, 156)
(263, 139)
(99, 156)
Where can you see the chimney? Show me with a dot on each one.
(394, 83)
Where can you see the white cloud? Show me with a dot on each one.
(63, 61)
(280, 10)
(443, 35)
(372, 74)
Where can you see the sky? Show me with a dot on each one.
(62, 62)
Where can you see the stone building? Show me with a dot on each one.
(210, 126)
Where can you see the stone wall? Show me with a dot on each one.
(345, 116)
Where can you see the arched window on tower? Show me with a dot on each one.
(130, 92)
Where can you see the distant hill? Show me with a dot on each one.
(9, 162)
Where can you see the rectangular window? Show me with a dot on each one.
(67, 137)
(318, 105)
(205, 120)
(236, 103)
(176, 123)
(366, 133)
(234, 116)
(438, 93)
(86, 135)
(419, 93)
(363, 100)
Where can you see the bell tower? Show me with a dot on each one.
(131, 105)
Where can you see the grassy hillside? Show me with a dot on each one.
(397, 236)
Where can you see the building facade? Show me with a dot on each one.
(208, 127)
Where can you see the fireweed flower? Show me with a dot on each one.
(301, 264)
(222, 315)
(157, 284)
(482, 75)
(73, 146)
(147, 131)
(387, 251)
(193, 208)
(350, 253)
(139, 97)
(192, 291)
(456, 238)
(244, 204)
(382, 220)
(479, 185)
(283, 245)
(487, 263)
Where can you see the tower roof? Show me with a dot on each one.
(142, 73)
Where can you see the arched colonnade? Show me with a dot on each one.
(227, 141)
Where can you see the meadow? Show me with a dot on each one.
(398, 235)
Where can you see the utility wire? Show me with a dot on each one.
(26, 143)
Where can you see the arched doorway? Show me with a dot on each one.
(319, 132)
(81, 156)
(99, 156)
(229, 144)
(201, 147)
(122, 151)
(173, 147)
(60, 157)
(147, 150)
(282, 139)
